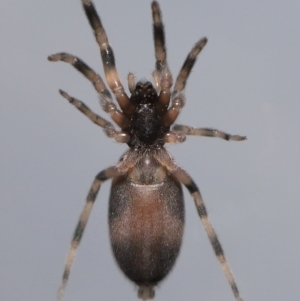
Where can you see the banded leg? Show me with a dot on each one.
(162, 75)
(91, 197)
(178, 99)
(207, 132)
(106, 101)
(159, 38)
(188, 65)
(108, 127)
(184, 178)
(108, 58)
(84, 69)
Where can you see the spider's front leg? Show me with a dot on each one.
(108, 58)
(162, 75)
(102, 176)
(178, 98)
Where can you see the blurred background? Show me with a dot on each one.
(246, 82)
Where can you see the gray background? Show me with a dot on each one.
(246, 81)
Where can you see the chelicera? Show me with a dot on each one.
(146, 209)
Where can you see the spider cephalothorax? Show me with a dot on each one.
(146, 209)
(146, 123)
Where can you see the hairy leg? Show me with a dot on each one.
(162, 75)
(108, 58)
(166, 160)
(207, 132)
(91, 197)
(108, 127)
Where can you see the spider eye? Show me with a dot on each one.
(144, 86)
(144, 93)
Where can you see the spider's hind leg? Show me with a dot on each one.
(183, 177)
(91, 197)
(186, 180)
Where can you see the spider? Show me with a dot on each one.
(146, 209)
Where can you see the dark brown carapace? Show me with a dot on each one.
(146, 209)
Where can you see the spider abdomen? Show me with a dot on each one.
(146, 225)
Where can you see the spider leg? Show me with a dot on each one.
(83, 68)
(108, 58)
(207, 132)
(108, 127)
(162, 75)
(166, 160)
(184, 178)
(91, 197)
(188, 65)
(106, 101)
(174, 137)
(178, 99)
(159, 38)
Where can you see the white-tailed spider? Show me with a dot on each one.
(146, 209)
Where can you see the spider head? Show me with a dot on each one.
(145, 123)
(144, 93)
